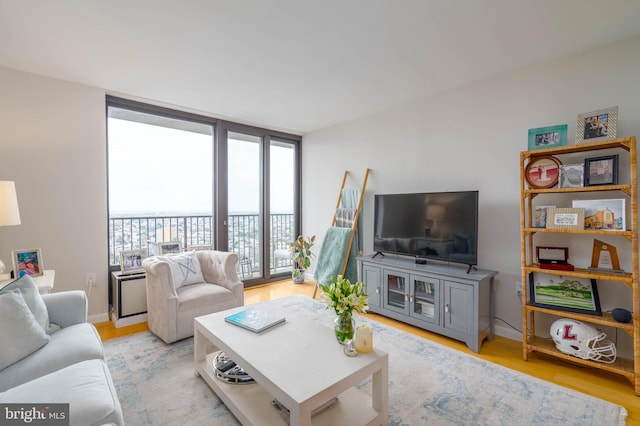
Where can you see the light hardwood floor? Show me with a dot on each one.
(505, 352)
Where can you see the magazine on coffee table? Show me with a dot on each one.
(256, 320)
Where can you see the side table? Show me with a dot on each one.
(44, 282)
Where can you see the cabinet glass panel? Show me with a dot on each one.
(396, 290)
(425, 298)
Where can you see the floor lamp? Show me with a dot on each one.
(9, 213)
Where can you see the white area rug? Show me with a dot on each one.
(428, 384)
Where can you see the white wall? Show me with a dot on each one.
(470, 139)
(52, 144)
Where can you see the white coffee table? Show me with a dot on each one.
(300, 364)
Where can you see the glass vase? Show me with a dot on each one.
(344, 328)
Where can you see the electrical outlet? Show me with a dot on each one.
(90, 279)
(519, 288)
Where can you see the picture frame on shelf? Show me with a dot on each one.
(595, 126)
(131, 260)
(601, 170)
(607, 214)
(199, 247)
(568, 294)
(542, 172)
(27, 261)
(169, 247)
(548, 137)
(571, 176)
(540, 216)
(565, 218)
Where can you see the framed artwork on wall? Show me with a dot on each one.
(27, 261)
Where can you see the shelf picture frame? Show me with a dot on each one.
(601, 170)
(27, 262)
(200, 247)
(131, 260)
(540, 216)
(604, 214)
(565, 218)
(570, 294)
(169, 247)
(542, 172)
(571, 176)
(548, 137)
(595, 126)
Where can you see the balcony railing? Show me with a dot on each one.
(128, 233)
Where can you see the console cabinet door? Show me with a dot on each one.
(425, 299)
(373, 284)
(458, 307)
(396, 291)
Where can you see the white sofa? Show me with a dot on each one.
(68, 368)
(183, 286)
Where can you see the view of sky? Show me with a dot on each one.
(160, 169)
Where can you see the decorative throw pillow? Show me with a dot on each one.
(185, 268)
(20, 333)
(31, 295)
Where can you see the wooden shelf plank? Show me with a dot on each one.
(620, 366)
(605, 319)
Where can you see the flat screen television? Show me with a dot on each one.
(431, 225)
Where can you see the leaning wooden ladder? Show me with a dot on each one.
(354, 225)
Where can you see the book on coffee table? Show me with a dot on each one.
(256, 320)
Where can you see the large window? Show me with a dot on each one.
(186, 178)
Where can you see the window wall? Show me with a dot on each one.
(180, 177)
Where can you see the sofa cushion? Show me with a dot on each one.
(31, 295)
(20, 333)
(185, 268)
(71, 344)
(86, 386)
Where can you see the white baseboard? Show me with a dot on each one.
(507, 332)
(94, 319)
(133, 319)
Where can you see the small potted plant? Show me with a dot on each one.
(301, 255)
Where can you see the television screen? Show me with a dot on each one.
(434, 225)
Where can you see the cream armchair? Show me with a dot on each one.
(210, 285)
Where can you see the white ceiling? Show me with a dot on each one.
(297, 65)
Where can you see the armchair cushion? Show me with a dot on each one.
(20, 333)
(185, 268)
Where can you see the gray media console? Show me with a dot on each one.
(441, 298)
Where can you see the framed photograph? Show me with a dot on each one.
(197, 247)
(169, 247)
(597, 126)
(27, 261)
(601, 170)
(607, 214)
(131, 260)
(565, 218)
(564, 293)
(542, 172)
(540, 216)
(571, 176)
(548, 137)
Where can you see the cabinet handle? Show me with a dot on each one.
(377, 290)
(406, 297)
(446, 307)
(411, 298)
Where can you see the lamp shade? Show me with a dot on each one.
(435, 212)
(9, 213)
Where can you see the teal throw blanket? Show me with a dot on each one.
(331, 257)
